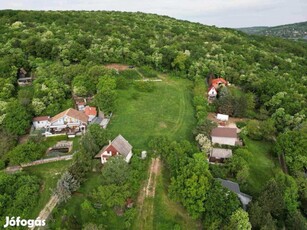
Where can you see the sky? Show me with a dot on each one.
(221, 13)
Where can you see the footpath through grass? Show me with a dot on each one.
(262, 165)
(49, 174)
(161, 213)
(166, 111)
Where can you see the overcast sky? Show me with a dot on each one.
(222, 13)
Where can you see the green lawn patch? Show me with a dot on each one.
(262, 165)
(167, 110)
(169, 214)
(49, 175)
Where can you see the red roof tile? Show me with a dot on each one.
(90, 111)
(41, 118)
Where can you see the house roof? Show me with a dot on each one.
(232, 186)
(71, 113)
(221, 153)
(219, 81)
(41, 118)
(212, 87)
(122, 145)
(90, 111)
(222, 117)
(224, 132)
(23, 71)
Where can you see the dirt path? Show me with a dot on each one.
(144, 201)
(45, 212)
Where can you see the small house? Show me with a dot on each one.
(80, 105)
(216, 83)
(118, 147)
(22, 78)
(218, 155)
(91, 112)
(234, 187)
(222, 117)
(212, 93)
(40, 122)
(224, 136)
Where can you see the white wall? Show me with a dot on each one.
(40, 124)
(224, 140)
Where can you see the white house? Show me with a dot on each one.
(212, 93)
(69, 122)
(40, 122)
(222, 117)
(224, 136)
(119, 146)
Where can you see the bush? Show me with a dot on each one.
(122, 83)
(147, 71)
(144, 86)
(2, 164)
(129, 74)
(241, 124)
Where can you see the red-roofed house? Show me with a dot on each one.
(218, 81)
(91, 112)
(119, 146)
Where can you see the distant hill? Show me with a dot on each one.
(290, 31)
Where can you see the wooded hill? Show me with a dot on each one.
(289, 31)
(65, 53)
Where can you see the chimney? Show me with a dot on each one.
(109, 142)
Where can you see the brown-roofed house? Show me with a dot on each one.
(119, 146)
(224, 136)
(218, 155)
(69, 122)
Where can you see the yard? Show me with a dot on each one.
(49, 175)
(165, 111)
(160, 212)
(169, 214)
(262, 165)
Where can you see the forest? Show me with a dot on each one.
(66, 52)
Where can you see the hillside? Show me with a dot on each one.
(149, 75)
(291, 31)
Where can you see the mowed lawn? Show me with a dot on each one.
(166, 111)
(262, 165)
(49, 174)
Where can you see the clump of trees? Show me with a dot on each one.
(192, 184)
(19, 194)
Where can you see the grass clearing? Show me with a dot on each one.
(169, 214)
(49, 175)
(262, 165)
(165, 111)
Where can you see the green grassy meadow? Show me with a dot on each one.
(262, 165)
(49, 174)
(165, 111)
